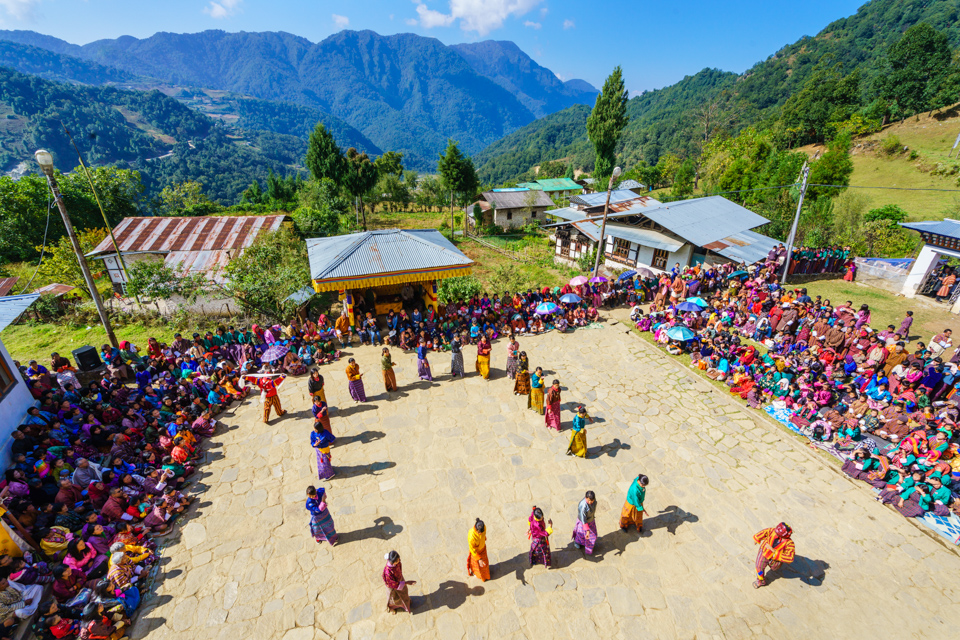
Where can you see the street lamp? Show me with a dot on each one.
(602, 246)
(45, 160)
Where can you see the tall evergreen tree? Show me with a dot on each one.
(917, 65)
(607, 121)
(458, 175)
(361, 176)
(324, 158)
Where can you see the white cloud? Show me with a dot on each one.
(568, 24)
(19, 9)
(532, 24)
(341, 21)
(412, 22)
(544, 12)
(220, 9)
(481, 16)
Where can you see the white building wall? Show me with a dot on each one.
(13, 407)
(925, 263)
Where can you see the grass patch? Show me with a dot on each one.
(27, 342)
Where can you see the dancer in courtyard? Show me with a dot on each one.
(387, 364)
(539, 535)
(632, 512)
(552, 417)
(483, 357)
(456, 358)
(355, 383)
(268, 389)
(398, 598)
(321, 439)
(321, 522)
(776, 549)
(513, 350)
(585, 530)
(535, 400)
(321, 414)
(578, 436)
(477, 563)
(315, 385)
(423, 365)
(522, 385)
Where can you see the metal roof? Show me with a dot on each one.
(704, 220)
(637, 203)
(188, 234)
(531, 186)
(600, 197)
(54, 289)
(517, 199)
(745, 246)
(300, 296)
(631, 184)
(946, 227)
(589, 229)
(567, 214)
(389, 251)
(645, 237)
(6, 284)
(559, 184)
(11, 307)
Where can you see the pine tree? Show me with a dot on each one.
(361, 176)
(459, 176)
(324, 158)
(606, 123)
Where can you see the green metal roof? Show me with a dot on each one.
(559, 184)
(533, 186)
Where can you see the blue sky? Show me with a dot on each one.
(656, 42)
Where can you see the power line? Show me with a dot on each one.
(835, 186)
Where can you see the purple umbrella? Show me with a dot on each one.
(275, 352)
(598, 280)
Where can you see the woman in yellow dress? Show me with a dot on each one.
(578, 437)
(535, 400)
(522, 385)
(483, 357)
(477, 563)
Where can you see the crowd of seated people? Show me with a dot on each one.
(884, 403)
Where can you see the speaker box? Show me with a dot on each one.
(87, 358)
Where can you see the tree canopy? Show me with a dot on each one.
(607, 121)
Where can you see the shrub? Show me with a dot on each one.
(891, 145)
(460, 288)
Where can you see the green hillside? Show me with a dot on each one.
(672, 120)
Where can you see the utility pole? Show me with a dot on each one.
(45, 160)
(451, 217)
(601, 247)
(805, 172)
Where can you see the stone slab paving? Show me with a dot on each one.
(417, 468)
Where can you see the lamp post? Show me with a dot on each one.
(601, 248)
(45, 160)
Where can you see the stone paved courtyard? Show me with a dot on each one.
(415, 470)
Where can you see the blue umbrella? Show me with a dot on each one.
(698, 301)
(627, 274)
(546, 308)
(688, 306)
(680, 333)
(570, 298)
(737, 274)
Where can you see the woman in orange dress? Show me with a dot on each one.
(477, 563)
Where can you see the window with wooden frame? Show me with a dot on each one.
(565, 246)
(509, 215)
(8, 379)
(660, 259)
(621, 248)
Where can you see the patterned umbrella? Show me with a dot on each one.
(578, 281)
(546, 308)
(275, 352)
(627, 274)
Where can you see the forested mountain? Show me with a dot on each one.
(405, 92)
(149, 131)
(538, 88)
(55, 66)
(673, 120)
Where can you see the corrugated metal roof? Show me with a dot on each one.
(188, 234)
(559, 184)
(946, 227)
(745, 246)
(300, 296)
(589, 229)
(518, 199)
(54, 289)
(600, 197)
(567, 214)
(704, 220)
(638, 203)
(532, 186)
(645, 237)
(631, 184)
(6, 284)
(12, 306)
(374, 253)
